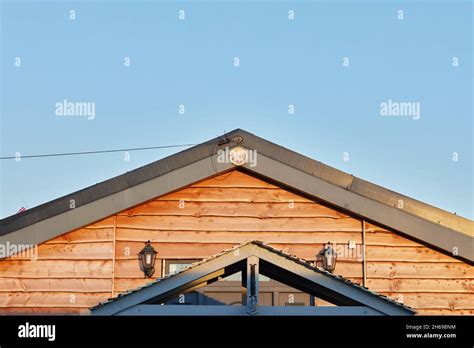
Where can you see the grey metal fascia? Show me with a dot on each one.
(99, 209)
(392, 217)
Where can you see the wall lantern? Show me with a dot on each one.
(147, 257)
(327, 258)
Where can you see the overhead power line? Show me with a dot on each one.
(95, 152)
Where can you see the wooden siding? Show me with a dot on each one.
(81, 268)
(422, 278)
(218, 213)
(67, 275)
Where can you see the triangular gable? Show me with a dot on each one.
(418, 220)
(350, 298)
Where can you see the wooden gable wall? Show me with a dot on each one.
(81, 268)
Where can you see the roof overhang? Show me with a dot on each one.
(440, 229)
(389, 216)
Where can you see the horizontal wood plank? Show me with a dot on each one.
(105, 223)
(431, 300)
(85, 235)
(212, 194)
(131, 269)
(418, 270)
(56, 269)
(421, 285)
(234, 178)
(389, 239)
(55, 285)
(435, 311)
(130, 250)
(24, 310)
(125, 284)
(233, 209)
(406, 254)
(52, 299)
(67, 251)
(235, 237)
(191, 223)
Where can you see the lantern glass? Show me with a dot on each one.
(147, 257)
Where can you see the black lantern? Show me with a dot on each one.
(147, 257)
(327, 258)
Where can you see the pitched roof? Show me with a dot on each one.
(330, 282)
(416, 219)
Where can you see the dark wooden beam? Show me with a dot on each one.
(252, 285)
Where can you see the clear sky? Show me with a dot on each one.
(283, 61)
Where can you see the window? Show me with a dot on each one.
(175, 266)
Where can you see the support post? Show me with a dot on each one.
(364, 261)
(252, 284)
(244, 286)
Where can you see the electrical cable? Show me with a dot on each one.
(95, 152)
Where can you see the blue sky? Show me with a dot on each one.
(282, 62)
